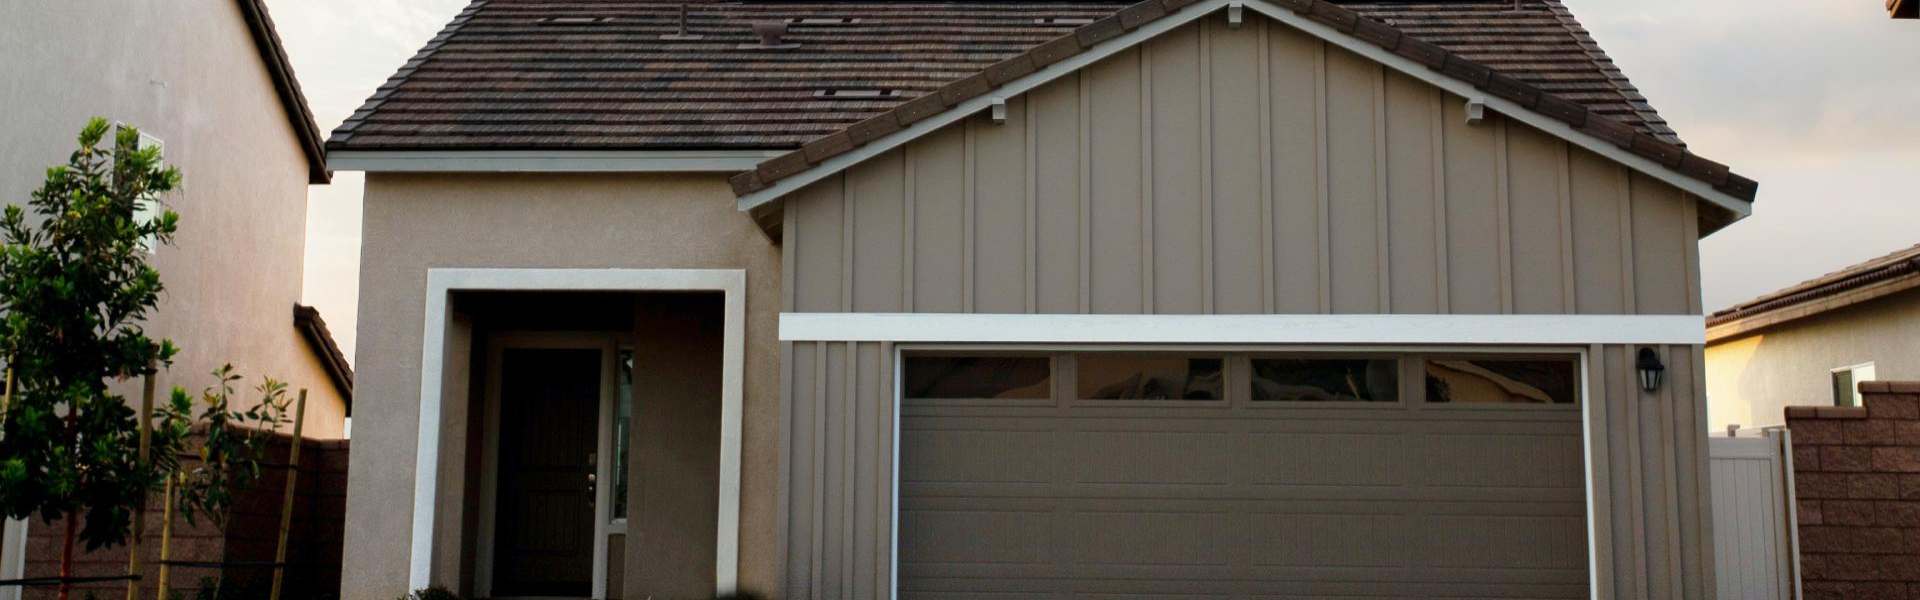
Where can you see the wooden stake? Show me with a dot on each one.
(286, 505)
(166, 539)
(140, 510)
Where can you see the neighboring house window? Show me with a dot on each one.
(1846, 383)
(146, 209)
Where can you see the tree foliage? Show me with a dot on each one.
(75, 286)
(232, 443)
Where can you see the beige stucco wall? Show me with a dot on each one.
(189, 74)
(1751, 379)
(417, 222)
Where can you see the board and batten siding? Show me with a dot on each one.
(1222, 170)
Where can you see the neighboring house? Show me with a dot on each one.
(210, 83)
(866, 299)
(1811, 344)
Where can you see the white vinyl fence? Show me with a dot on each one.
(1755, 542)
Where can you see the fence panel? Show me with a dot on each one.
(1755, 541)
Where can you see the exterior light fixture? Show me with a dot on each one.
(1652, 372)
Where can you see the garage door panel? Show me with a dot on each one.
(1147, 537)
(1151, 457)
(1323, 459)
(1327, 540)
(1492, 460)
(1503, 541)
(997, 537)
(979, 455)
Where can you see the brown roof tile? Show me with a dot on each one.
(503, 75)
(1900, 264)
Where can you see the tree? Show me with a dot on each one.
(233, 442)
(75, 287)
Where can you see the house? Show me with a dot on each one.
(1813, 343)
(871, 299)
(212, 86)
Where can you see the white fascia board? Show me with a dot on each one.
(1244, 329)
(1551, 126)
(548, 161)
(967, 108)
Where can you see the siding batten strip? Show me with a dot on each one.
(1441, 237)
(1669, 482)
(1629, 295)
(906, 234)
(849, 469)
(1144, 61)
(1322, 173)
(845, 197)
(1086, 193)
(1032, 162)
(1599, 468)
(1265, 62)
(1382, 226)
(1503, 220)
(1636, 484)
(1563, 180)
(1206, 167)
(818, 456)
(969, 188)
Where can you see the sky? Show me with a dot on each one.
(1812, 98)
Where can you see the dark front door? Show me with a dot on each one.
(543, 533)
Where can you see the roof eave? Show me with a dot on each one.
(287, 88)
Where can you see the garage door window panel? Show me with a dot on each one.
(1150, 377)
(1325, 381)
(979, 377)
(1502, 382)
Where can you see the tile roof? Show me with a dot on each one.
(1886, 274)
(319, 339)
(611, 74)
(1640, 140)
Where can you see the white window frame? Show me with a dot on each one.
(145, 209)
(1858, 373)
(443, 282)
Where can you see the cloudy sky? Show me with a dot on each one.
(1811, 97)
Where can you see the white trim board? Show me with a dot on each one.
(547, 161)
(1473, 330)
(1551, 126)
(441, 283)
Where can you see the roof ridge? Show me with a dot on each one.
(345, 131)
(1345, 20)
(1616, 77)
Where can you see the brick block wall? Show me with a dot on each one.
(1857, 477)
(314, 544)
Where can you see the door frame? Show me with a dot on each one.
(437, 325)
(608, 344)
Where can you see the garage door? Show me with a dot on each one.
(1241, 475)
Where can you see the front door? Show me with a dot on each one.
(544, 528)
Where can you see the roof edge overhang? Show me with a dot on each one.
(548, 161)
(775, 178)
(320, 341)
(287, 88)
(1801, 302)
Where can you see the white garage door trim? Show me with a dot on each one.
(1245, 329)
(1587, 406)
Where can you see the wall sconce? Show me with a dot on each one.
(1651, 370)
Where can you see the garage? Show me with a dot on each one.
(1241, 474)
